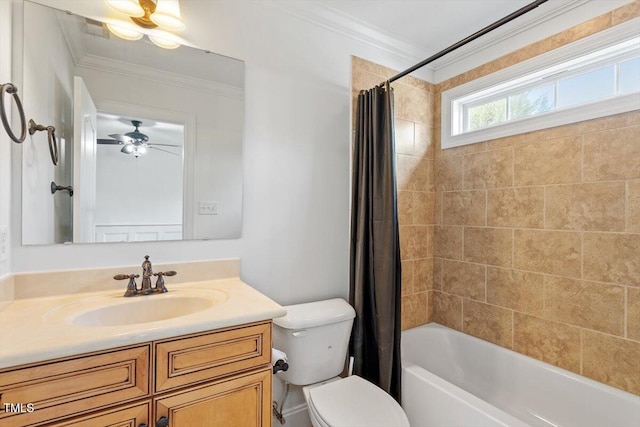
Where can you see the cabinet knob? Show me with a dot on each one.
(162, 422)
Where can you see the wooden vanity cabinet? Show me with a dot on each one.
(218, 378)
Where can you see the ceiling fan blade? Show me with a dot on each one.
(108, 141)
(166, 151)
(165, 145)
(122, 138)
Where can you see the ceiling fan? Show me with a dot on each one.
(135, 142)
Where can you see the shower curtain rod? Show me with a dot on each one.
(469, 39)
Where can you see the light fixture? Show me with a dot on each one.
(151, 15)
(124, 32)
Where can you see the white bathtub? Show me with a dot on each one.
(453, 379)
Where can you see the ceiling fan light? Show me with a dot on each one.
(164, 42)
(128, 7)
(128, 149)
(124, 32)
(167, 15)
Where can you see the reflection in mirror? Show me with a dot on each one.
(130, 117)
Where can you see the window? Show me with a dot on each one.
(594, 77)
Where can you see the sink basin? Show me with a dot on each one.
(121, 311)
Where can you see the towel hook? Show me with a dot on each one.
(13, 91)
(51, 137)
(55, 187)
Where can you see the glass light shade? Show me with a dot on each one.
(167, 15)
(128, 7)
(163, 41)
(124, 32)
(128, 149)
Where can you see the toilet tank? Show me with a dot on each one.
(315, 337)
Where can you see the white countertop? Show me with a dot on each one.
(38, 329)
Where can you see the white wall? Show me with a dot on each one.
(47, 96)
(5, 141)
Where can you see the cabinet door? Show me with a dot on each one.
(137, 415)
(243, 401)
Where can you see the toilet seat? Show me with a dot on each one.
(354, 402)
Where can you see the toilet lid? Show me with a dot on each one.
(353, 402)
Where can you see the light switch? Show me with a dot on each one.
(208, 208)
(4, 243)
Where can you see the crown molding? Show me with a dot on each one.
(454, 63)
(334, 20)
(98, 63)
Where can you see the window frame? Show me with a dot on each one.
(453, 113)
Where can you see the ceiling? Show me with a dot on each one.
(418, 29)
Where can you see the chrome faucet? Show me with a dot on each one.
(146, 288)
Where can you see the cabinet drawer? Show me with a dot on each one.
(128, 416)
(203, 357)
(75, 386)
(243, 400)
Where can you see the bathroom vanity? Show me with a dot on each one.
(198, 355)
(223, 376)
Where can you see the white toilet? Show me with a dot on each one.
(315, 337)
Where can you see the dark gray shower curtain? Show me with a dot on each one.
(375, 249)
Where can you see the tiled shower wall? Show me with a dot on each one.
(416, 188)
(537, 242)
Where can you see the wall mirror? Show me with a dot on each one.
(150, 139)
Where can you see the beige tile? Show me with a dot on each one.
(447, 310)
(553, 162)
(464, 150)
(424, 208)
(580, 31)
(360, 64)
(628, 11)
(423, 275)
(611, 360)
(437, 273)
(412, 104)
(487, 322)
(595, 207)
(553, 252)
(438, 208)
(404, 136)
(633, 206)
(612, 258)
(448, 173)
(491, 169)
(585, 127)
(406, 283)
(612, 154)
(491, 246)
(423, 144)
(592, 305)
(551, 342)
(464, 279)
(405, 207)
(414, 242)
(363, 80)
(447, 242)
(464, 207)
(429, 306)
(412, 173)
(516, 207)
(633, 313)
(414, 310)
(517, 290)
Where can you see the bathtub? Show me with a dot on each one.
(453, 379)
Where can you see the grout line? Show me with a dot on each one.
(582, 255)
(626, 312)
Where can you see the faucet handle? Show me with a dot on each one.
(132, 288)
(160, 282)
